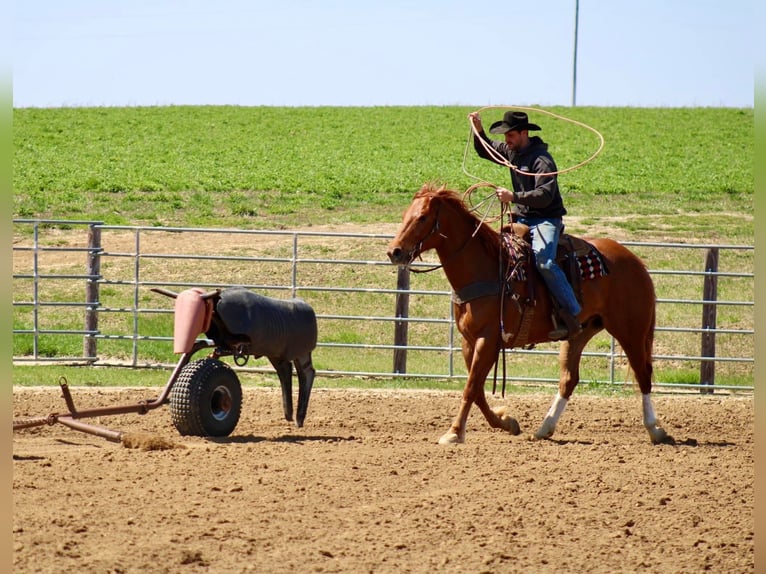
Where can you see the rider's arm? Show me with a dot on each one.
(500, 146)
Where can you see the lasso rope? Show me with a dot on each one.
(492, 198)
(504, 161)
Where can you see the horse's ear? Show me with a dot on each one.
(428, 188)
(435, 200)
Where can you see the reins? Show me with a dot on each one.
(505, 274)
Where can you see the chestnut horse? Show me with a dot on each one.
(622, 302)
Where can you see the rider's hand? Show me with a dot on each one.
(476, 121)
(504, 195)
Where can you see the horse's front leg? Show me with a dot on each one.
(498, 418)
(479, 358)
(456, 432)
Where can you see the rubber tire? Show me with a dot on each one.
(206, 399)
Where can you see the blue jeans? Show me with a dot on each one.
(545, 240)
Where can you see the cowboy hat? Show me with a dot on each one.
(513, 121)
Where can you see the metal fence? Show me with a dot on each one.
(81, 294)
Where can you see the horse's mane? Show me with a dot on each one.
(485, 234)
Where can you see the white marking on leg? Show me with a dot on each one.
(656, 432)
(650, 419)
(557, 408)
(552, 417)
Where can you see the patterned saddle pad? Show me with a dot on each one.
(588, 261)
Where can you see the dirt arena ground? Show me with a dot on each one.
(364, 487)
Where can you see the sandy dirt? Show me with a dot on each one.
(364, 487)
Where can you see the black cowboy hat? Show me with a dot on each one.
(513, 121)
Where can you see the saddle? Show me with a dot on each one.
(577, 258)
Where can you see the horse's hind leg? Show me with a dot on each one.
(640, 360)
(656, 432)
(570, 353)
(635, 334)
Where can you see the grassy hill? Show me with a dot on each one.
(270, 167)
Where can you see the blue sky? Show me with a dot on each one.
(394, 52)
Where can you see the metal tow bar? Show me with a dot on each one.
(71, 418)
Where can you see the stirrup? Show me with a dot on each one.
(559, 334)
(562, 330)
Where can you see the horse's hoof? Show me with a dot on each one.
(543, 434)
(507, 422)
(512, 426)
(450, 438)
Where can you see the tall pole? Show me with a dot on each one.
(574, 66)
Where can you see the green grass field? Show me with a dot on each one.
(264, 167)
(664, 175)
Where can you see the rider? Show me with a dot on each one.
(537, 203)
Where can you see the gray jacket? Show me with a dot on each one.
(536, 195)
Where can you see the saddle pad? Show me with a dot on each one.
(591, 265)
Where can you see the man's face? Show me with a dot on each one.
(515, 139)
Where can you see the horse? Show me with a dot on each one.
(621, 301)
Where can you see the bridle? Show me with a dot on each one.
(416, 252)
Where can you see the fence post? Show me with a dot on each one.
(93, 271)
(709, 295)
(402, 312)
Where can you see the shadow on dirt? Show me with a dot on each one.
(293, 439)
(694, 442)
(565, 441)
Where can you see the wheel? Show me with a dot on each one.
(206, 399)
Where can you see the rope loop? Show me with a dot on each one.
(504, 161)
(491, 199)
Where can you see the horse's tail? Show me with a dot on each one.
(650, 340)
(646, 385)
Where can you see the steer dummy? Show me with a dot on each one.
(237, 319)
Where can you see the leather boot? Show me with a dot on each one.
(570, 328)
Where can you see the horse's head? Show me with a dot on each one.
(419, 230)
